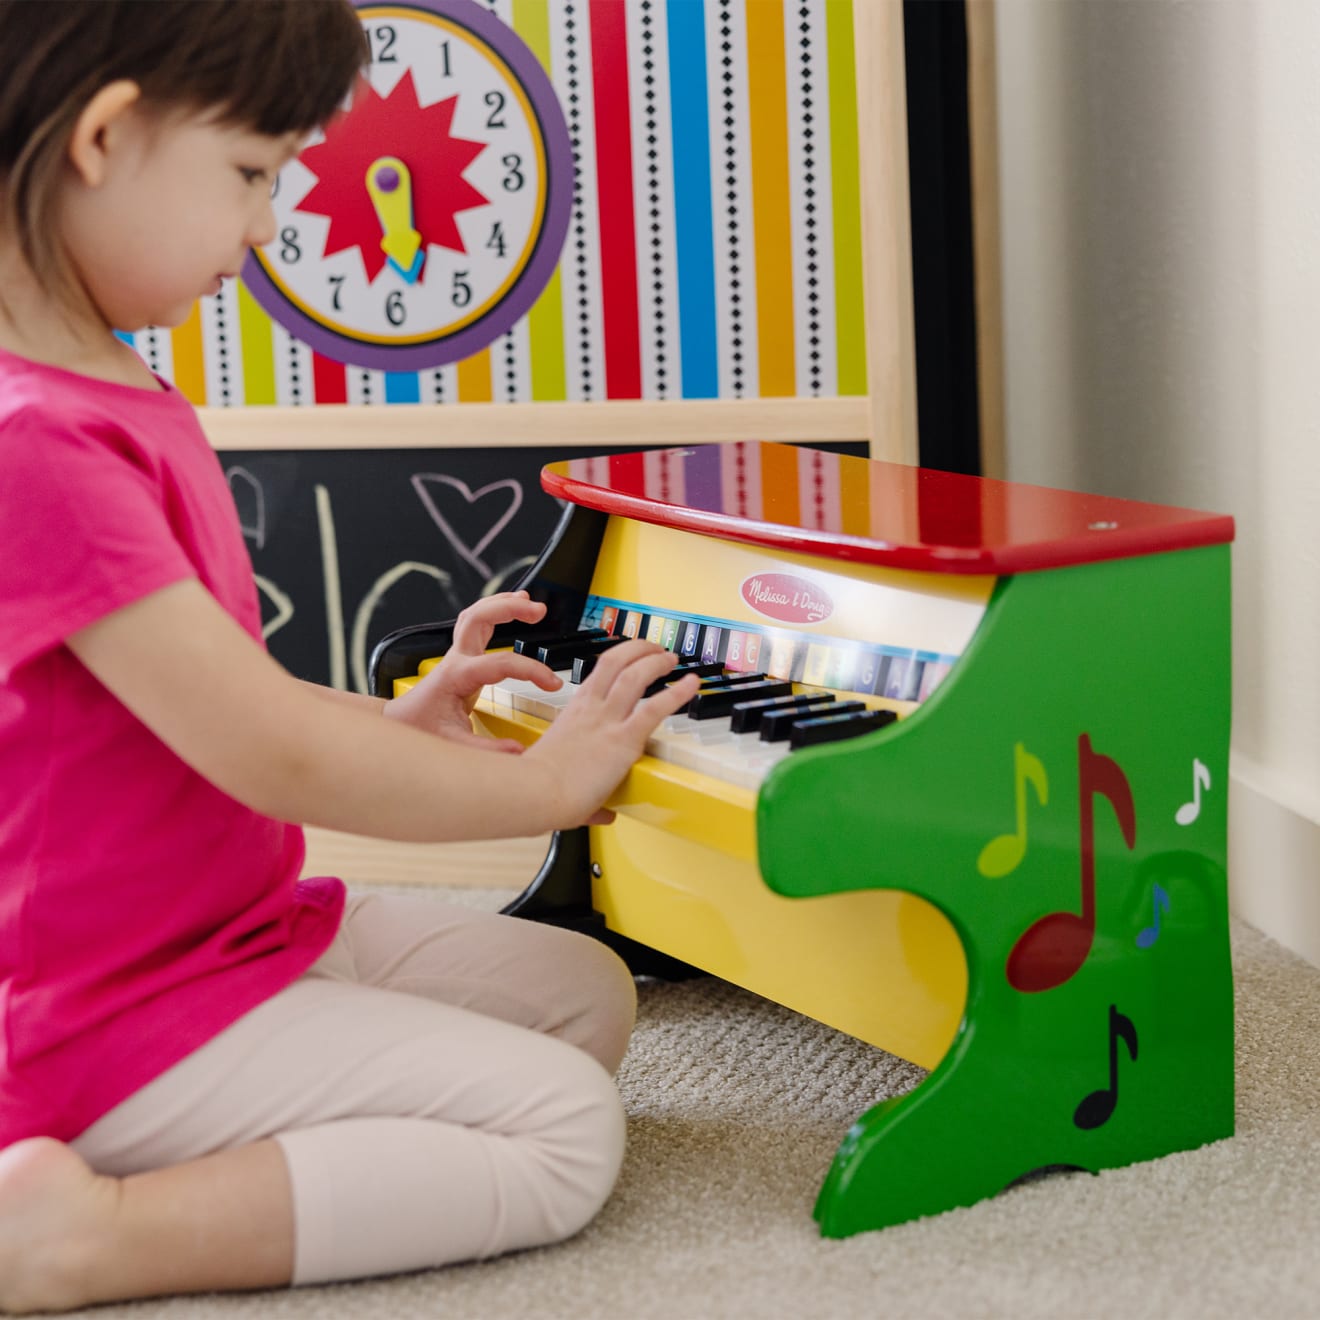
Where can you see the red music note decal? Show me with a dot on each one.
(1098, 1107)
(1052, 949)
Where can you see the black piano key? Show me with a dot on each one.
(528, 643)
(711, 703)
(746, 715)
(776, 726)
(561, 654)
(834, 728)
(723, 681)
(705, 670)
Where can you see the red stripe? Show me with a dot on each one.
(329, 380)
(628, 474)
(618, 250)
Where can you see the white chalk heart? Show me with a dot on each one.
(470, 554)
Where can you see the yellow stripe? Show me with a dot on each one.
(855, 506)
(258, 341)
(545, 320)
(779, 483)
(849, 314)
(474, 378)
(189, 365)
(768, 95)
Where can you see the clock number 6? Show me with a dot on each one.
(395, 311)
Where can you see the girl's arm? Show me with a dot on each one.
(191, 674)
(355, 700)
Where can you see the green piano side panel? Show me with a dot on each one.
(1062, 799)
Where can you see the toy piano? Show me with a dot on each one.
(958, 789)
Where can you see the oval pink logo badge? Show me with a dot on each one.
(787, 598)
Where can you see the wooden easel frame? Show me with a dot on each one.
(885, 416)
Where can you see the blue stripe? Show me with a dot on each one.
(403, 387)
(690, 127)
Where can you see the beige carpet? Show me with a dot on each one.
(736, 1108)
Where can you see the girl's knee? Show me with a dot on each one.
(594, 992)
(581, 1160)
(613, 1006)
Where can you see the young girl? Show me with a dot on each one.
(213, 1074)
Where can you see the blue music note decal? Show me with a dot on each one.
(1148, 936)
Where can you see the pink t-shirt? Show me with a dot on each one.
(141, 909)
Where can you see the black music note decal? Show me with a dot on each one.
(1098, 1107)
(1052, 949)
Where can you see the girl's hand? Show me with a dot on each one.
(442, 702)
(595, 739)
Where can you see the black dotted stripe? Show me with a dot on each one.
(650, 121)
(732, 242)
(295, 373)
(510, 345)
(151, 343)
(579, 217)
(224, 380)
(438, 384)
(818, 487)
(806, 61)
(364, 380)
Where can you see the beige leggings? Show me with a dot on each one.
(439, 1082)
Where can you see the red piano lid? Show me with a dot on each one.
(840, 507)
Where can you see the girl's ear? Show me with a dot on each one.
(95, 128)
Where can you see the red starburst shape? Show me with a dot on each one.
(419, 135)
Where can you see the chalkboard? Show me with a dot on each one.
(348, 545)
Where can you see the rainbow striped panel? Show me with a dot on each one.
(714, 247)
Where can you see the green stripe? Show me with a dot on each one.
(258, 349)
(850, 307)
(545, 320)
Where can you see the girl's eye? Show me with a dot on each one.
(250, 175)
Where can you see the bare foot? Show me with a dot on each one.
(53, 1209)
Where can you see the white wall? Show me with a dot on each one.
(1160, 212)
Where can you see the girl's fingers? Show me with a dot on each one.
(474, 626)
(672, 697)
(495, 666)
(628, 670)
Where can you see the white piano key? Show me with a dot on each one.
(708, 747)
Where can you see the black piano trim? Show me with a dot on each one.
(560, 578)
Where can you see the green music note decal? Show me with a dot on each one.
(1003, 854)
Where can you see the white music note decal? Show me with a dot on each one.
(1189, 811)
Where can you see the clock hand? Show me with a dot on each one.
(389, 185)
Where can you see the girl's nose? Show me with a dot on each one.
(264, 225)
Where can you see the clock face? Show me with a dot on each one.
(424, 222)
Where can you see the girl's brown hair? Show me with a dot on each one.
(276, 66)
